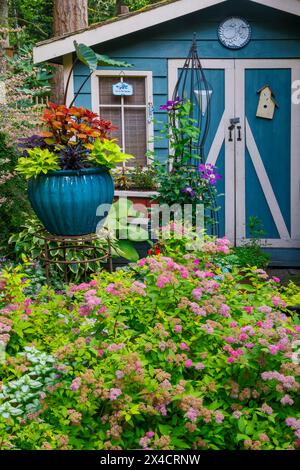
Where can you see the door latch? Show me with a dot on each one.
(233, 125)
(239, 133)
(231, 129)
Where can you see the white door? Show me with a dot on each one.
(260, 158)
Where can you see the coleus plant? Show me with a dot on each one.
(69, 126)
(73, 137)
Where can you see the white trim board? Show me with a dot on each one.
(137, 22)
(289, 6)
(149, 96)
(141, 194)
(68, 63)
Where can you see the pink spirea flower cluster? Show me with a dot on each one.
(146, 440)
(248, 310)
(178, 328)
(294, 423)
(267, 409)
(114, 393)
(203, 274)
(221, 245)
(219, 417)
(287, 400)
(225, 311)
(139, 288)
(278, 302)
(234, 354)
(111, 289)
(288, 381)
(192, 414)
(75, 385)
(119, 374)
(113, 347)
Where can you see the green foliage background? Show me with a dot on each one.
(36, 16)
(14, 192)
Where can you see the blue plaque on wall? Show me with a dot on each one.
(122, 89)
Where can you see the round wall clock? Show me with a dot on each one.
(234, 33)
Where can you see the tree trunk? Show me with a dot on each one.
(4, 22)
(4, 38)
(68, 16)
(121, 7)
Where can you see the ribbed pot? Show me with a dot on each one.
(66, 201)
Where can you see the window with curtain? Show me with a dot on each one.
(127, 113)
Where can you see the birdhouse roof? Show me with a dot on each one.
(272, 93)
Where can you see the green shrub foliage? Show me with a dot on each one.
(175, 353)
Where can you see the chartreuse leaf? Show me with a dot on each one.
(246, 287)
(242, 437)
(242, 424)
(108, 154)
(165, 429)
(39, 161)
(180, 444)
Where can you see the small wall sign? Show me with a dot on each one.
(122, 89)
(267, 104)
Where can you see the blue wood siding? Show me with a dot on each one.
(275, 35)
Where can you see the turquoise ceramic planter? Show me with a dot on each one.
(66, 201)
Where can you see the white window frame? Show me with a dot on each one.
(148, 101)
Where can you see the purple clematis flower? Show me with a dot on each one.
(208, 173)
(170, 104)
(189, 191)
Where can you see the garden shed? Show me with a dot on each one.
(244, 46)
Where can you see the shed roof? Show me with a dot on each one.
(158, 13)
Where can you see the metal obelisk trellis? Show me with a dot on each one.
(193, 85)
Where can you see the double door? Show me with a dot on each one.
(258, 158)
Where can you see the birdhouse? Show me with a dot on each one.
(267, 103)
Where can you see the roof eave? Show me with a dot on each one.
(123, 26)
(52, 50)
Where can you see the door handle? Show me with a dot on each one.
(231, 129)
(239, 133)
